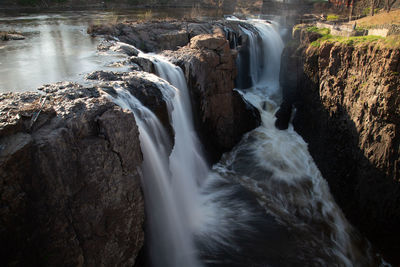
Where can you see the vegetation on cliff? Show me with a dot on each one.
(324, 35)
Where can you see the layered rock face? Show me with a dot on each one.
(348, 111)
(69, 181)
(154, 36)
(222, 114)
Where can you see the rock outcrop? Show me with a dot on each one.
(348, 111)
(221, 114)
(7, 36)
(154, 36)
(142, 86)
(69, 181)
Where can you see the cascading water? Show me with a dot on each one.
(276, 166)
(169, 194)
(264, 204)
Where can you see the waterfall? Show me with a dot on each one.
(281, 171)
(169, 181)
(264, 203)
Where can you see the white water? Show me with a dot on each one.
(187, 165)
(171, 182)
(170, 240)
(284, 176)
(264, 203)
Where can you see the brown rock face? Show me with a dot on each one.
(154, 35)
(69, 184)
(348, 111)
(221, 113)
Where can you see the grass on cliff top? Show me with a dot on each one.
(390, 41)
(332, 17)
(353, 40)
(323, 31)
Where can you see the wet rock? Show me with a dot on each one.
(104, 76)
(69, 182)
(238, 40)
(222, 116)
(283, 116)
(143, 63)
(124, 48)
(15, 36)
(142, 86)
(7, 36)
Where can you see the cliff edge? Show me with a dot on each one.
(347, 98)
(69, 179)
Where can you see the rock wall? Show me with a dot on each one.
(348, 111)
(154, 36)
(221, 114)
(69, 182)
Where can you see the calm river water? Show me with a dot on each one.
(57, 47)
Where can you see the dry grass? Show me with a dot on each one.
(393, 17)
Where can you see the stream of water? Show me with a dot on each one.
(57, 47)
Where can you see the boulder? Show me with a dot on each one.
(283, 116)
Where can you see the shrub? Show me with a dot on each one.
(332, 17)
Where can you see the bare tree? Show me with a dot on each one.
(389, 4)
(351, 5)
(374, 3)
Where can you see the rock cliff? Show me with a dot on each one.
(222, 114)
(69, 180)
(348, 101)
(153, 36)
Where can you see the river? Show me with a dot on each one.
(57, 47)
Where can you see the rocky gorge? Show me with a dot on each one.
(71, 159)
(347, 109)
